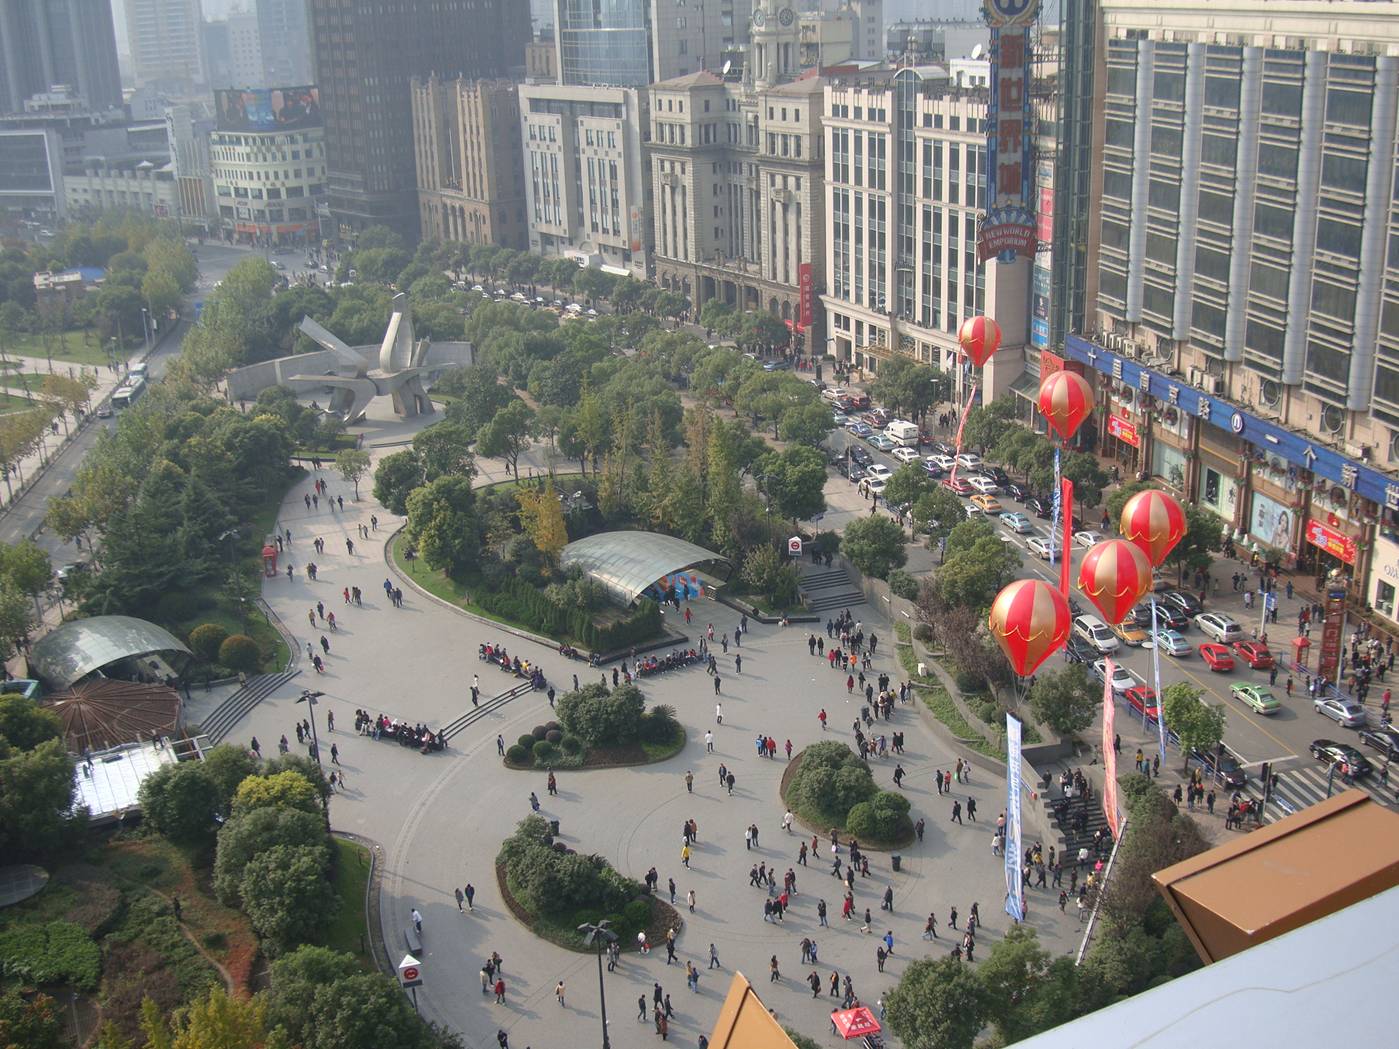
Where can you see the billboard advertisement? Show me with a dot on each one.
(1008, 229)
(1041, 276)
(1337, 544)
(806, 291)
(268, 108)
(1015, 888)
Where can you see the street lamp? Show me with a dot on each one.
(309, 698)
(600, 936)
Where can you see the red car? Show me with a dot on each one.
(1217, 657)
(958, 487)
(1142, 698)
(1254, 653)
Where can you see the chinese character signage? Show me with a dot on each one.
(1123, 430)
(806, 293)
(1337, 544)
(1333, 627)
(1008, 228)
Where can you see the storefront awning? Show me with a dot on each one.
(1027, 386)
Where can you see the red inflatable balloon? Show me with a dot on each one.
(980, 338)
(1114, 575)
(1030, 621)
(1065, 400)
(1155, 523)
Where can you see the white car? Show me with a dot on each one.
(1345, 712)
(905, 455)
(945, 463)
(968, 461)
(1121, 679)
(879, 472)
(876, 486)
(1087, 539)
(1219, 627)
(1017, 523)
(1096, 633)
(982, 485)
(1038, 547)
(834, 393)
(883, 443)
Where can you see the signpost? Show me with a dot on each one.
(410, 975)
(1333, 626)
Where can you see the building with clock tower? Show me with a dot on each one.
(774, 43)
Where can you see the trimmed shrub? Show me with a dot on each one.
(883, 818)
(544, 751)
(538, 732)
(636, 912)
(830, 781)
(903, 585)
(552, 726)
(571, 745)
(554, 736)
(526, 740)
(601, 717)
(922, 632)
(659, 724)
(517, 754)
(240, 652)
(206, 639)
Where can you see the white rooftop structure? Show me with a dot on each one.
(110, 786)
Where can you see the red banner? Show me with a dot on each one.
(1124, 431)
(807, 292)
(1109, 757)
(1332, 629)
(1337, 544)
(1050, 363)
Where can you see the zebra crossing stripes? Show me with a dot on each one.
(1303, 786)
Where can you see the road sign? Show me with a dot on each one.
(410, 971)
(794, 546)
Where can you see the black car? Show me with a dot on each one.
(1230, 772)
(933, 470)
(1183, 601)
(1329, 752)
(1076, 650)
(860, 455)
(856, 473)
(943, 448)
(997, 474)
(1016, 490)
(1040, 508)
(1167, 616)
(1384, 739)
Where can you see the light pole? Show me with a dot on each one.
(309, 698)
(146, 326)
(601, 937)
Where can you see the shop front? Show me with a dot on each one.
(1384, 578)
(1328, 546)
(1123, 441)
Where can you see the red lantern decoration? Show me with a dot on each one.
(1065, 400)
(1155, 523)
(1030, 620)
(980, 338)
(1114, 575)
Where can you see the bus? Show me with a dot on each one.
(127, 393)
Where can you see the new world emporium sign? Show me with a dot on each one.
(1008, 229)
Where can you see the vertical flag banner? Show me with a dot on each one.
(1109, 755)
(1156, 683)
(1008, 230)
(1014, 888)
(1066, 500)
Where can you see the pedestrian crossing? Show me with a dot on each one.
(1304, 785)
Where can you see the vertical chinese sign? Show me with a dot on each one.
(806, 292)
(1008, 228)
(1333, 627)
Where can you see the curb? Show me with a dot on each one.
(373, 921)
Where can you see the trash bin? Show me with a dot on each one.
(554, 827)
(896, 861)
(922, 669)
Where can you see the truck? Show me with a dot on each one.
(903, 433)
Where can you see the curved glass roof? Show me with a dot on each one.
(626, 563)
(78, 648)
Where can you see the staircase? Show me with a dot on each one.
(233, 709)
(1072, 839)
(454, 728)
(828, 589)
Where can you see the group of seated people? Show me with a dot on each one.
(680, 657)
(385, 727)
(494, 653)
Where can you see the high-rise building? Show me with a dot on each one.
(867, 18)
(285, 42)
(471, 185)
(906, 157)
(586, 183)
(632, 43)
(166, 43)
(245, 66)
(1245, 334)
(68, 42)
(739, 197)
(366, 53)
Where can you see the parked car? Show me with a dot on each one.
(932, 469)
(1187, 603)
(1171, 643)
(875, 486)
(968, 461)
(1256, 698)
(1384, 739)
(1017, 523)
(1219, 627)
(1129, 633)
(981, 484)
(1166, 616)
(957, 487)
(860, 455)
(1254, 653)
(1329, 752)
(997, 474)
(1142, 699)
(1217, 657)
(987, 504)
(1097, 633)
(1017, 491)
(840, 419)
(1345, 712)
(1042, 508)
(882, 442)
(1121, 679)
(1226, 767)
(860, 429)
(943, 462)
(879, 470)
(1077, 650)
(856, 473)
(905, 455)
(1087, 538)
(1038, 547)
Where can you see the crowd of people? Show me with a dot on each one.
(401, 732)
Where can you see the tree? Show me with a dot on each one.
(284, 895)
(938, 1004)
(352, 464)
(296, 978)
(24, 724)
(1028, 990)
(601, 717)
(907, 485)
(907, 387)
(479, 396)
(252, 833)
(1199, 725)
(17, 617)
(284, 790)
(444, 525)
(1204, 535)
(395, 478)
(180, 801)
(365, 1011)
(240, 652)
(794, 480)
(874, 545)
(976, 564)
(228, 766)
(1065, 699)
(507, 435)
(985, 423)
(36, 794)
(162, 293)
(937, 511)
(31, 1023)
(443, 449)
(216, 1021)
(541, 515)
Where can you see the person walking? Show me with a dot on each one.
(500, 990)
(417, 920)
(714, 957)
(558, 993)
(971, 808)
(470, 892)
(718, 707)
(957, 812)
(690, 900)
(689, 782)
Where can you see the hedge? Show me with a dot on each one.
(58, 952)
(518, 601)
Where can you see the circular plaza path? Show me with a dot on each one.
(440, 818)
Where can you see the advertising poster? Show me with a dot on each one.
(1012, 850)
(806, 291)
(268, 109)
(1270, 522)
(1008, 230)
(1333, 627)
(1110, 811)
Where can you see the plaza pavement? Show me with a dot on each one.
(440, 818)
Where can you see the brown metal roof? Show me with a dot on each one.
(745, 1022)
(1282, 876)
(103, 712)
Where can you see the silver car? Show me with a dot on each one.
(1345, 712)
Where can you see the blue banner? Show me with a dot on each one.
(1014, 886)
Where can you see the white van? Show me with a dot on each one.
(1096, 633)
(138, 371)
(902, 433)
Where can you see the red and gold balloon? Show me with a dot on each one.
(1155, 522)
(980, 338)
(1065, 400)
(1030, 620)
(1114, 575)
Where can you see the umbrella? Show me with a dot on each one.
(855, 1023)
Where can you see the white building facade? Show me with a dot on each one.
(267, 184)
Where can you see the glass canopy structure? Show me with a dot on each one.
(626, 563)
(78, 648)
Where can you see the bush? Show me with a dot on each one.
(636, 912)
(571, 745)
(830, 781)
(240, 652)
(517, 755)
(544, 752)
(659, 724)
(903, 585)
(922, 632)
(286, 790)
(603, 718)
(205, 641)
(560, 883)
(883, 818)
(969, 681)
(526, 741)
(552, 726)
(538, 731)
(554, 736)
(57, 952)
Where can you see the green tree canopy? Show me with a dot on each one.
(601, 717)
(906, 387)
(36, 792)
(246, 836)
(976, 564)
(1065, 699)
(285, 895)
(396, 476)
(794, 481)
(444, 525)
(24, 724)
(1199, 725)
(938, 1004)
(875, 545)
(507, 435)
(180, 801)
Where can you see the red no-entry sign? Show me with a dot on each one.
(410, 971)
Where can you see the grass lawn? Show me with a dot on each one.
(346, 930)
(77, 349)
(340, 443)
(10, 402)
(439, 584)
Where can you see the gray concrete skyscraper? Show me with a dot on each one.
(47, 42)
(167, 47)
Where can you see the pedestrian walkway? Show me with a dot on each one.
(1302, 786)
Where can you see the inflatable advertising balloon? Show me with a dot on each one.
(1030, 621)
(1114, 575)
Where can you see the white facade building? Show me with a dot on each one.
(267, 183)
(165, 42)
